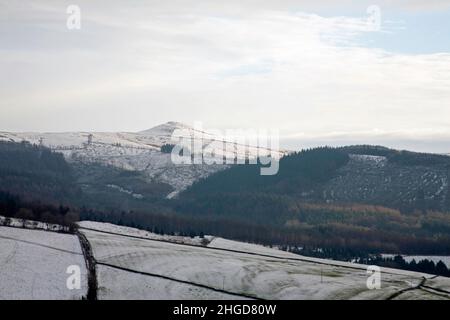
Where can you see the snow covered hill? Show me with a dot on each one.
(135, 264)
(141, 151)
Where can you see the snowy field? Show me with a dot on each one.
(142, 268)
(136, 264)
(119, 285)
(33, 264)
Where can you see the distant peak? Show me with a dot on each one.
(175, 124)
(166, 128)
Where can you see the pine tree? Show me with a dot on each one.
(420, 200)
(441, 269)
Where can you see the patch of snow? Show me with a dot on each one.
(123, 190)
(376, 160)
(117, 284)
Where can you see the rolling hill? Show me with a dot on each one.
(136, 264)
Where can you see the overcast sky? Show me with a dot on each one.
(320, 73)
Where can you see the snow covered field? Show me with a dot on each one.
(118, 285)
(142, 268)
(33, 264)
(136, 264)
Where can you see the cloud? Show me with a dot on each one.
(265, 64)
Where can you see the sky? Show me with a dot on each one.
(321, 72)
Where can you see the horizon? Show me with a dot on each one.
(286, 143)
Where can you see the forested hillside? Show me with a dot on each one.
(36, 173)
(32, 175)
(360, 199)
(298, 172)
